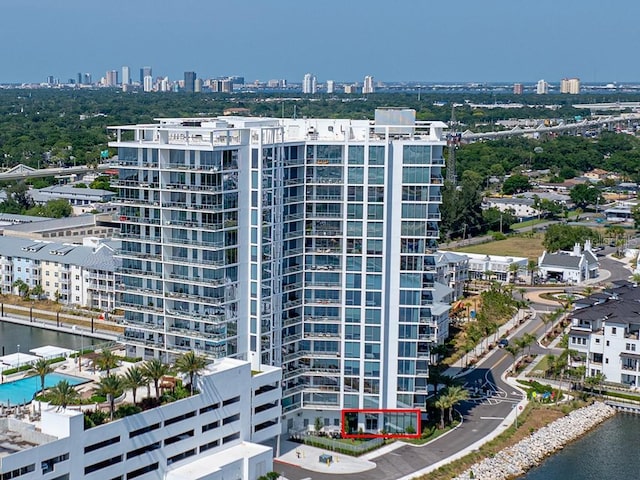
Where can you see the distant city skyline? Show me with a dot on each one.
(422, 41)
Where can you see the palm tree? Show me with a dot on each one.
(154, 370)
(514, 349)
(22, 287)
(442, 403)
(63, 394)
(532, 266)
(514, 268)
(455, 395)
(134, 378)
(111, 387)
(106, 360)
(42, 368)
(191, 364)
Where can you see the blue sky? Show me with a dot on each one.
(343, 40)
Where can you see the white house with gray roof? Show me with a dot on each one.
(575, 266)
(72, 274)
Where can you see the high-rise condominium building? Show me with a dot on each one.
(309, 83)
(111, 78)
(367, 86)
(126, 75)
(542, 87)
(302, 243)
(517, 89)
(330, 86)
(145, 72)
(147, 83)
(189, 82)
(570, 86)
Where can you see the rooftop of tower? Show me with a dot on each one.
(227, 130)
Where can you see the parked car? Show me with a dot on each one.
(503, 343)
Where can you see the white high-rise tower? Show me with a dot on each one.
(308, 244)
(309, 83)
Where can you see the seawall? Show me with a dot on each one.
(531, 451)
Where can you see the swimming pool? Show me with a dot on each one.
(23, 390)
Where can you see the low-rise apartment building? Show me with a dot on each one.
(80, 275)
(604, 333)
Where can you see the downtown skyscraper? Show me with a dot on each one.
(308, 244)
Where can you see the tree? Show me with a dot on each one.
(514, 349)
(516, 184)
(635, 213)
(38, 291)
(191, 364)
(584, 195)
(154, 370)
(134, 378)
(564, 237)
(532, 267)
(41, 368)
(111, 387)
(514, 268)
(63, 394)
(442, 403)
(495, 220)
(455, 395)
(106, 361)
(22, 287)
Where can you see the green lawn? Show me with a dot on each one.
(517, 246)
(528, 223)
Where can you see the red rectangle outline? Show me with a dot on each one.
(417, 412)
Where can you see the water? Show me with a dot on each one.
(12, 335)
(606, 453)
(23, 390)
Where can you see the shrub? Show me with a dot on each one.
(126, 410)
(94, 418)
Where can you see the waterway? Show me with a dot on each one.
(606, 453)
(12, 335)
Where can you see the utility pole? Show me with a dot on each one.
(501, 223)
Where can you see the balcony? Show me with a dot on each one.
(137, 272)
(196, 279)
(216, 301)
(142, 255)
(138, 237)
(133, 219)
(139, 307)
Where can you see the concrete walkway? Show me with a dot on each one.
(308, 458)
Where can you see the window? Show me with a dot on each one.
(209, 446)
(48, 465)
(179, 437)
(142, 471)
(231, 419)
(181, 456)
(142, 430)
(102, 464)
(209, 408)
(210, 426)
(139, 451)
(613, 330)
(179, 418)
(231, 438)
(102, 444)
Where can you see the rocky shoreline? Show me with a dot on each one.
(531, 451)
